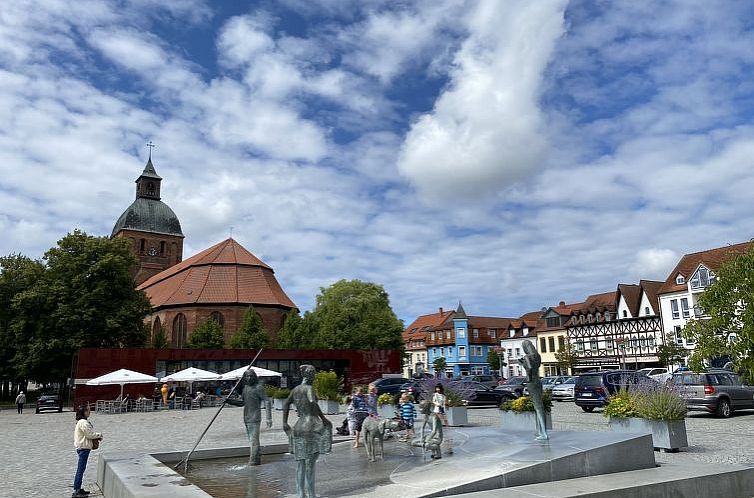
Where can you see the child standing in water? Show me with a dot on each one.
(408, 414)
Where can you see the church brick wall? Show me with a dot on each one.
(150, 265)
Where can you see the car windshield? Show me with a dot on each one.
(590, 380)
(570, 380)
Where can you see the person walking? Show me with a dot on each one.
(20, 401)
(358, 412)
(84, 440)
(440, 403)
(372, 401)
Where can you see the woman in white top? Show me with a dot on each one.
(83, 440)
(440, 402)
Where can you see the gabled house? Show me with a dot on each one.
(679, 294)
(464, 341)
(552, 336)
(415, 341)
(519, 330)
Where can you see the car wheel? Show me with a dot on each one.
(588, 409)
(723, 408)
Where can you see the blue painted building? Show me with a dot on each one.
(464, 341)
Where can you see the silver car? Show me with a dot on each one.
(564, 390)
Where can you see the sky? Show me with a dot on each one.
(508, 154)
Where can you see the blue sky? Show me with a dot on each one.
(510, 154)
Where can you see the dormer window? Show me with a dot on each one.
(680, 279)
(607, 316)
(512, 332)
(702, 279)
(526, 330)
(646, 311)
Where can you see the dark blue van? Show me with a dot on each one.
(593, 388)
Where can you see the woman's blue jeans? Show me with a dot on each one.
(83, 458)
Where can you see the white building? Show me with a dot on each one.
(511, 343)
(680, 293)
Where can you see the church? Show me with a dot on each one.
(219, 283)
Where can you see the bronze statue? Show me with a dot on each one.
(531, 362)
(431, 435)
(310, 436)
(252, 398)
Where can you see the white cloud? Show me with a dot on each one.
(485, 130)
(655, 263)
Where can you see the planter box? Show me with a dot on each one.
(523, 421)
(328, 407)
(386, 411)
(457, 416)
(666, 434)
(278, 403)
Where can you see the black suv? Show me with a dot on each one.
(715, 391)
(515, 386)
(49, 402)
(592, 389)
(389, 385)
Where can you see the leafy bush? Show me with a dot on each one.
(328, 386)
(525, 404)
(385, 399)
(281, 393)
(621, 405)
(269, 390)
(457, 393)
(649, 400)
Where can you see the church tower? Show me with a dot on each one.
(151, 226)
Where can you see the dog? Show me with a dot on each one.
(374, 429)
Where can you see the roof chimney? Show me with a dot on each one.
(440, 310)
(562, 303)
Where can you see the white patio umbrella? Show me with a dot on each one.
(238, 373)
(122, 377)
(190, 375)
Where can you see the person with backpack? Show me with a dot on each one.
(20, 401)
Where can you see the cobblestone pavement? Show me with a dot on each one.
(38, 459)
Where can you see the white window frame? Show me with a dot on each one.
(674, 309)
(462, 351)
(493, 333)
(475, 333)
(685, 307)
(461, 333)
(680, 279)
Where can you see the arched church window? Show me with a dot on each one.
(142, 245)
(218, 318)
(179, 331)
(156, 326)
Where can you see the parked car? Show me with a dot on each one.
(716, 391)
(389, 385)
(549, 382)
(485, 395)
(564, 390)
(593, 388)
(49, 402)
(514, 386)
(487, 380)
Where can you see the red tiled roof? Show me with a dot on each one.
(711, 258)
(225, 273)
(423, 323)
(488, 322)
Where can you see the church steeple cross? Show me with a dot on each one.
(151, 146)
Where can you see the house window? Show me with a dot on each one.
(461, 351)
(685, 307)
(677, 334)
(542, 345)
(551, 343)
(625, 314)
(561, 342)
(650, 342)
(461, 333)
(526, 330)
(218, 318)
(674, 308)
(518, 352)
(512, 332)
(493, 333)
(646, 311)
(510, 353)
(447, 334)
(431, 336)
(579, 345)
(609, 344)
(607, 316)
(679, 279)
(479, 351)
(475, 333)
(702, 278)
(593, 345)
(553, 321)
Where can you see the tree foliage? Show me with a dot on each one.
(296, 332)
(567, 357)
(439, 365)
(351, 314)
(85, 297)
(495, 360)
(207, 335)
(159, 339)
(671, 353)
(727, 330)
(251, 334)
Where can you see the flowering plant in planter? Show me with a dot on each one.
(651, 401)
(525, 404)
(328, 386)
(385, 399)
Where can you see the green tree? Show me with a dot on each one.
(160, 340)
(495, 360)
(439, 365)
(86, 297)
(207, 335)
(293, 334)
(567, 357)
(251, 334)
(727, 330)
(351, 314)
(671, 353)
(17, 274)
